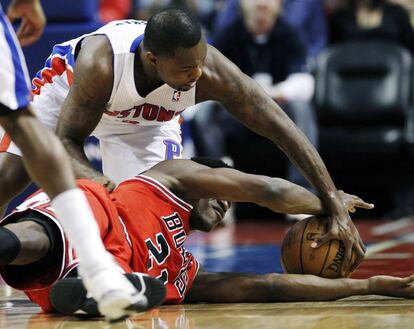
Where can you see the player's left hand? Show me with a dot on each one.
(105, 182)
(33, 20)
(352, 201)
(392, 286)
(342, 228)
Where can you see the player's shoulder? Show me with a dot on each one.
(221, 78)
(214, 66)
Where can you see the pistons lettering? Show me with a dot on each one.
(147, 112)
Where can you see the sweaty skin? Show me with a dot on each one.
(217, 79)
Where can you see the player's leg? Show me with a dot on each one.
(37, 245)
(48, 164)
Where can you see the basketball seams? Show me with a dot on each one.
(301, 244)
(326, 257)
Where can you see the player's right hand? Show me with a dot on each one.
(342, 228)
(105, 182)
(33, 20)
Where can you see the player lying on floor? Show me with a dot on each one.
(144, 223)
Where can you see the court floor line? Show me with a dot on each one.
(392, 226)
(388, 244)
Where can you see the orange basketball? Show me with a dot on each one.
(297, 256)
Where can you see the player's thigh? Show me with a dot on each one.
(25, 130)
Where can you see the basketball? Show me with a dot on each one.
(298, 257)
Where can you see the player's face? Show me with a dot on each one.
(207, 213)
(182, 70)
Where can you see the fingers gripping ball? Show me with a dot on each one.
(298, 257)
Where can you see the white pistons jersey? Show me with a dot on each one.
(135, 132)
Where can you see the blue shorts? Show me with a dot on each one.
(14, 78)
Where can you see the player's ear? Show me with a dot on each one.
(151, 57)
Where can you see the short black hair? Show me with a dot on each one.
(169, 30)
(212, 163)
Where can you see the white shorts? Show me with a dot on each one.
(126, 154)
(126, 149)
(14, 78)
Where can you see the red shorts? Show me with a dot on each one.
(35, 279)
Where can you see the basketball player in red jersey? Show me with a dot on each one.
(128, 82)
(144, 223)
(49, 165)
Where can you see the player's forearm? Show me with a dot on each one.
(245, 288)
(286, 197)
(292, 287)
(80, 163)
(266, 118)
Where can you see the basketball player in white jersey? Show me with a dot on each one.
(127, 84)
(49, 165)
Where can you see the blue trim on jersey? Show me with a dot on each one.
(136, 43)
(21, 88)
(62, 51)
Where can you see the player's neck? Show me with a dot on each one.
(145, 75)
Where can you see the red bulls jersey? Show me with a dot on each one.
(142, 224)
(158, 223)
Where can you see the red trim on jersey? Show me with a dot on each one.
(5, 143)
(153, 182)
(58, 67)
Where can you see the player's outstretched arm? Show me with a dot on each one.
(85, 103)
(222, 81)
(241, 287)
(191, 180)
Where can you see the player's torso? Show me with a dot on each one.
(158, 224)
(126, 107)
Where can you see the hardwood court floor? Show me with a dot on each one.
(363, 312)
(255, 247)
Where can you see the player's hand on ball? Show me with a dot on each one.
(352, 201)
(105, 182)
(342, 228)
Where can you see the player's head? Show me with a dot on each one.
(260, 15)
(175, 47)
(207, 213)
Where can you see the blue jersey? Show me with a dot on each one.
(14, 78)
